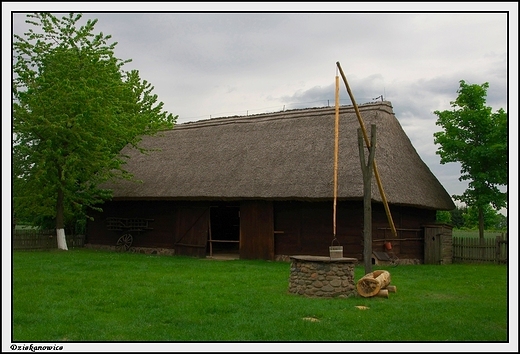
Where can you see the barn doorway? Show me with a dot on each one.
(224, 231)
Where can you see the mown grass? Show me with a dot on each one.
(88, 295)
(475, 234)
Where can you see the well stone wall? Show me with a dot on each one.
(315, 276)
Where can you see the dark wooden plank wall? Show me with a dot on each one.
(256, 230)
(96, 231)
(306, 228)
(163, 225)
(268, 228)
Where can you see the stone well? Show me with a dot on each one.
(316, 276)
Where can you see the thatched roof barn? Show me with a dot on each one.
(280, 158)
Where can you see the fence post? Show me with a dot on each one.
(498, 240)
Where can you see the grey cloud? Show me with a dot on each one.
(205, 64)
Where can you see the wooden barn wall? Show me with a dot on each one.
(179, 225)
(306, 228)
(267, 228)
(256, 230)
(409, 223)
(164, 222)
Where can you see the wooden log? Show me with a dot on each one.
(382, 293)
(391, 288)
(373, 282)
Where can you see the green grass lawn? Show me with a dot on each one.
(88, 295)
(474, 233)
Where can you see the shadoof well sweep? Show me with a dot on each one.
(333, 276)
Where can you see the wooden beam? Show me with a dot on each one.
(376, 171)
(336, 157)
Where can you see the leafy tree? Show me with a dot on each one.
(491, 218)
(457, 217)
(443, 216)
(501, 222)
(477, 138)
(74, 109)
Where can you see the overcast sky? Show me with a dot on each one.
(207, 65)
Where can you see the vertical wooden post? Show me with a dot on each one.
(336, 153)
(498, 250)
(209, 234)
(367, 195)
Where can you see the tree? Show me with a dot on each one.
(501, 222)
(490, 215)
(477, 138)
(457, 216)
(443, 216)
(74, 109)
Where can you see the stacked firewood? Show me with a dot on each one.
(376, 283)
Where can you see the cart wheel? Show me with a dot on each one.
(124, 242)
(394, 260)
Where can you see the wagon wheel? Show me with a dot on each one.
(394, 260)
(124, 242)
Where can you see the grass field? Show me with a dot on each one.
(474, 233)
(89, 295)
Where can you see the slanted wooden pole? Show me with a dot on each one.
(367, 142)
(336, 154)
(367, 195)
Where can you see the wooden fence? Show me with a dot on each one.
(43, 239)
(475, 250)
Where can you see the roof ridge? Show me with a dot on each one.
(288, 114)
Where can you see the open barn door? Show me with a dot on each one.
(192, 231)
(224, 230)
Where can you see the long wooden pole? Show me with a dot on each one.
(367, 195)
(336, 154)
(367, 142)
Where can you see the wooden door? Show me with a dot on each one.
(432, 244)
(192, 231)
(256, 230)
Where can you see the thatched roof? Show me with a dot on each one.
(281, 156)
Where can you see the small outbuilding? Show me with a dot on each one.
(261, 187)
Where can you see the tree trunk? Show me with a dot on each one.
(60, 222)
(481, 231)
(480, 223)
(62, 241)
(372, 283)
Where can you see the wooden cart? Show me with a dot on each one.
(128, 226)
